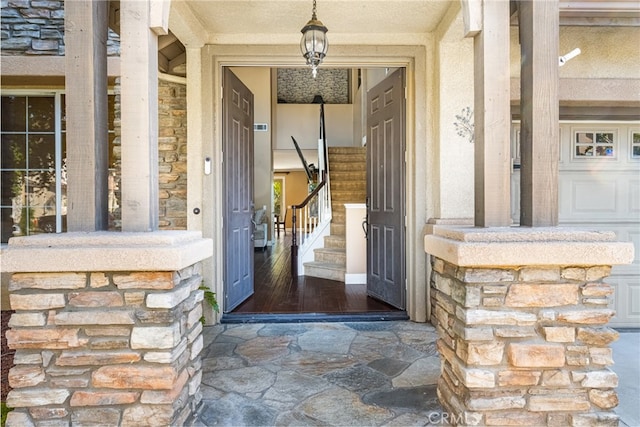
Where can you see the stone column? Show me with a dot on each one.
(106, 328)
(521, 316)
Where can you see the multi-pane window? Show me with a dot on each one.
(33, 164)
(635, 145)
(594, 144)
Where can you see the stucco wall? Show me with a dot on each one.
(607, 52)
(455, 152)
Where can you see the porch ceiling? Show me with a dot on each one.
(280, 21)
(364, 21)
(379, 22)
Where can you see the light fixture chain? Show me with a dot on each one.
(313, 12)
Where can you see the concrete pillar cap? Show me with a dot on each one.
(519, 246)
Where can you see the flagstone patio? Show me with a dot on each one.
(310, 374)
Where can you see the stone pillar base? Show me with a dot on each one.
(106, 328)
(521, 317)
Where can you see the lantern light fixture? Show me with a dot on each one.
(314, 43)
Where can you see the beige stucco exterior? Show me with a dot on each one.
(607, 52)
(439, 64)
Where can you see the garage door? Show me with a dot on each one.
(599, 189)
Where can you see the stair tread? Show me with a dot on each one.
(336, 250)
(332, 251)
(327, 265)
(347, 167)
(336, 237)
(347, 150)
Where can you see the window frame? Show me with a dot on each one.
(632, 144)
(59, 133)
(595, 130)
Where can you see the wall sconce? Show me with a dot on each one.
(314, 43)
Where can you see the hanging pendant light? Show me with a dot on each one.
(314, 43)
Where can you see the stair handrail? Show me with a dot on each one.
(294, 228)
(322, 185)
(307, 170)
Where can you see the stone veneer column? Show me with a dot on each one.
(106, 328)
(521, 315)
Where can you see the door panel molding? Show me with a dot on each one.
(237, 143)
(386, 263)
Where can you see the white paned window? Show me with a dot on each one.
(635, 144)
(32, 199)
(33, 164)
(591, 144)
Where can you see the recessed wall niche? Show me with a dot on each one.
(297, 85)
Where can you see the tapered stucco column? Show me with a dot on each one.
(521, 316)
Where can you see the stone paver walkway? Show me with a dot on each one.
(319, 374)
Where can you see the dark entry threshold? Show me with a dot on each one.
(312, 317)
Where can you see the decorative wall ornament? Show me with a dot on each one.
(464, 124)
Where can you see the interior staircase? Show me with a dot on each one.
(348, 180)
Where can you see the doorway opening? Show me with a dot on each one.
(279, 296)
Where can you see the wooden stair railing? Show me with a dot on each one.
(321, 194)
(308, 226)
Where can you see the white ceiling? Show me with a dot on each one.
(280, 21)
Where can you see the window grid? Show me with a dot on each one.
(635, 144)
(594, 143)
(34, 179)
(29, 164)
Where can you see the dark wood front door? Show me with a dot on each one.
(237, 145)
(385, 190)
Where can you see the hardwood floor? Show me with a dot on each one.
(276, 292)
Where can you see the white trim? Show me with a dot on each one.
(631, 144)
(57, 136)
(172, 79)
(58, 159)
(416, 59)
(355, 279)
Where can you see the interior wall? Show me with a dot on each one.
(302, 121)
(295, 190)
(258, 80)
(358, 116)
